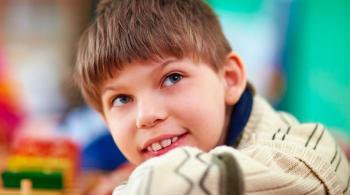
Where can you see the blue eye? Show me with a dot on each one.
(121, 100)
(172, 79)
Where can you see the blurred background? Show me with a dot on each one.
(297, 54)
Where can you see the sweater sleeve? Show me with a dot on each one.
(298, 160)
(186, 170)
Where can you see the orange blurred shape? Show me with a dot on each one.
(48, 147)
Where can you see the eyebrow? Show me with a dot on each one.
(161, 66)
(164, 64)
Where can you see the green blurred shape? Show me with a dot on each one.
(39, 179)
(318, 63)
(237, 6)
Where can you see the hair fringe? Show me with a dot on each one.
(127, 30)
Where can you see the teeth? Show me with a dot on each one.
(165, 143)
(156, 146)
(174, 139)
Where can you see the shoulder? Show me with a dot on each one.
(307, 135)
(270, 132)
(313, 145)
(265, 121)
(284, 132)
(267, 124)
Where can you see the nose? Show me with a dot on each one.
(150, 112)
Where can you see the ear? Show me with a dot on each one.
(234, 77)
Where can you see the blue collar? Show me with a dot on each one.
(239, 117)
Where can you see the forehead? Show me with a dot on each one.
(147, 65)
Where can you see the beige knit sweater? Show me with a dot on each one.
(276, 155)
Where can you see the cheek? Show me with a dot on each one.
(125, 141)
(120, 124)
(122, 133)
(203, 114)
(117, 134)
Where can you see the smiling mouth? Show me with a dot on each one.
(156, 147)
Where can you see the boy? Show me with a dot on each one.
(162, 75)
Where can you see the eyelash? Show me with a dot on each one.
(119, 96)
(180, 76)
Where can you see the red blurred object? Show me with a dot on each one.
(48, 147)
(11, 114)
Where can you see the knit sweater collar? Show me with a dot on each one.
(239, 117)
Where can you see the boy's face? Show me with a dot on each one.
(152, 107)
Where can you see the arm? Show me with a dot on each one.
(185, 171)
(288, 166)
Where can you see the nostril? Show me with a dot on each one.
(148, 122)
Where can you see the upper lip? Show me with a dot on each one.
(158, 139)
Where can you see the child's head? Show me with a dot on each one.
(160, 72)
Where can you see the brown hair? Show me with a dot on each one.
(127, 30)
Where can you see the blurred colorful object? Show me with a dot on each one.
(10, 111)
(48, 163)
(98, 150)
(39, 179)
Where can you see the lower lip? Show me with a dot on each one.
(167, 149)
